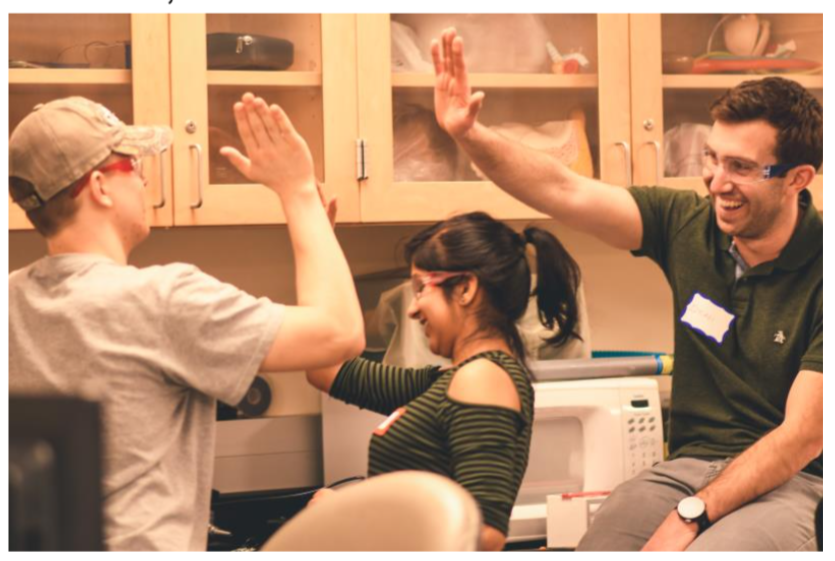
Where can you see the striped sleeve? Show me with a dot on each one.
(378, 387)
(483, 443)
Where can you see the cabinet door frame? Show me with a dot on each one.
(151, 76)
(251, 203)
(384, 200)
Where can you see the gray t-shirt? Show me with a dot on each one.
(157, 346)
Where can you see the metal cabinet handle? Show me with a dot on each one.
(627, 154)
(161, 158)
(659, 168)
(199, 150)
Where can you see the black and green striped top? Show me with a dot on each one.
(484, 448)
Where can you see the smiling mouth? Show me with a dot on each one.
(730, 205)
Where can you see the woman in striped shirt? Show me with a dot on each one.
(471, 422)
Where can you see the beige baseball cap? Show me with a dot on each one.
(60, 141)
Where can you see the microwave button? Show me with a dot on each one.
(631, 421)
(641, 420)
(631, 429)
(642, 429)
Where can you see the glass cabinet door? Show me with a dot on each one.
(119, 60)
(682, 62)
(557, 83)
(302, 62)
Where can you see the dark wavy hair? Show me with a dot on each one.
(785, 105)
(497, 256)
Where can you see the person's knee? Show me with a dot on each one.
(759, 527)
(628, 518)
(624, 521)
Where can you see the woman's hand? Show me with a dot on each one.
(329, 204)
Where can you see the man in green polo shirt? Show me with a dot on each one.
(745, 265)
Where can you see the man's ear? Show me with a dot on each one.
(99, 190)
(800, 177)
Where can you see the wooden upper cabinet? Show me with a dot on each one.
(579, 112)
(674, 82)
(615, 96)
(303, 62)
(118, 60)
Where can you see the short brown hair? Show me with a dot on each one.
(54, 214)
(784, 104)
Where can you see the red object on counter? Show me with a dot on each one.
(712, 66)
(585, 494)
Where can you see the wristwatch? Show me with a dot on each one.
(693, 509)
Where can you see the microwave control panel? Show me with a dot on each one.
(643, 432)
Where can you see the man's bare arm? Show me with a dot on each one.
(776, 457)
(538, 180)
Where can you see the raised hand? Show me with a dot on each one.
(277, 156)
(456, 107)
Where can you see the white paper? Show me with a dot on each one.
(707, 318)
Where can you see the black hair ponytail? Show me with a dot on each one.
(558, 278)
(478, 244)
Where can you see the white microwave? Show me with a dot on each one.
(588, 436)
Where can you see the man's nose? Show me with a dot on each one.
(719, 182)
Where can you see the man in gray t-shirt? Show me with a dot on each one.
(158, 346)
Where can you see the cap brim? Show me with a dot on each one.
(145, 141)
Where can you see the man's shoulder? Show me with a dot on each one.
(17, 276)
(682, 202)
(171, 277)
(168, 270)
(667, 212)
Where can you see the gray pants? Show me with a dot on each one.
(782, 520)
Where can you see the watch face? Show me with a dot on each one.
(691, 508)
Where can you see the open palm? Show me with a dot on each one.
(277, 156)
(456, 107)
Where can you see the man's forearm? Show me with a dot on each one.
(517, 169)
(540, 181)
(768, 464)
(323, 278)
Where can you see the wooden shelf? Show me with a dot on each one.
(259, 78)
(508, 81)
(725, 81)
(68, 76)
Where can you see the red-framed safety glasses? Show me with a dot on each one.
(419, 282)
(125, 165)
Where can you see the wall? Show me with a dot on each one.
(630, 305)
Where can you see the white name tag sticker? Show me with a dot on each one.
(707, 317)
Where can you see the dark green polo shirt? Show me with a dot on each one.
(730, 389)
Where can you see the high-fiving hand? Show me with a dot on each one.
(277, 156)
(456, 108)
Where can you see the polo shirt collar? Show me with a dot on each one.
(807, 241)
(805, 244)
